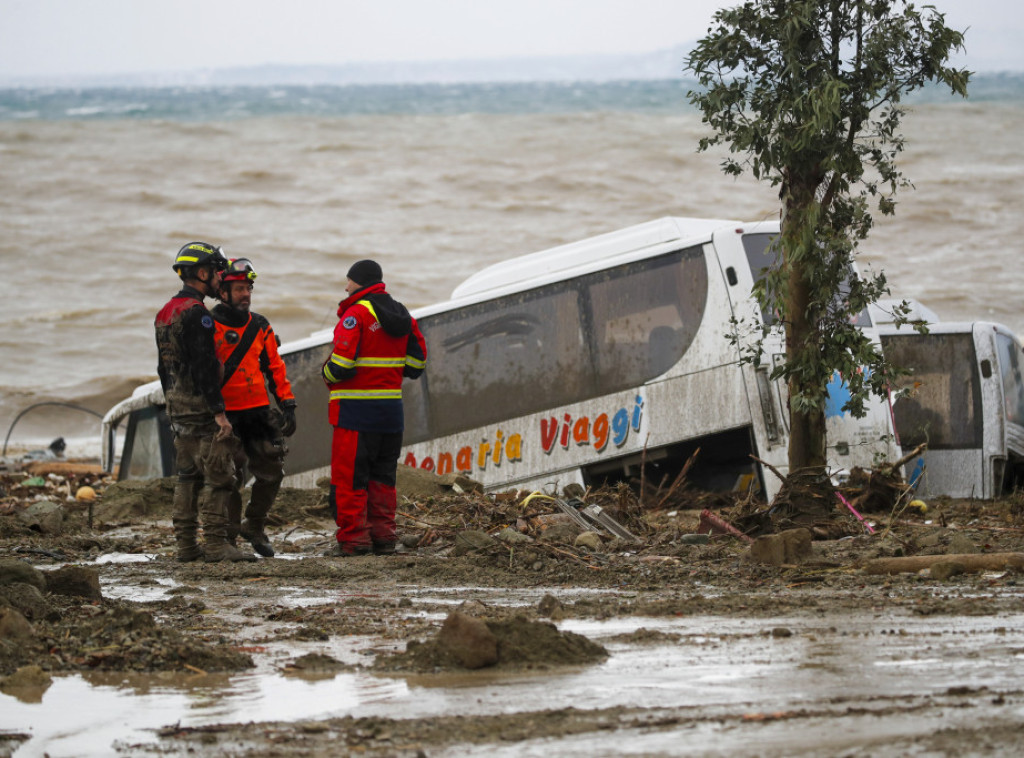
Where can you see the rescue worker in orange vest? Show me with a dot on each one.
(190, 375)
(376, 344)
(247, 346)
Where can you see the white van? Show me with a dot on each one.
(965, 400)
(584, 363)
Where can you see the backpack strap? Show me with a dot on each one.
(235, 359)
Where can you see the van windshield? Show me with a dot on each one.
(943, 404)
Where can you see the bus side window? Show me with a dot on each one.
(505, 358)
(662, 349)
(644, 316)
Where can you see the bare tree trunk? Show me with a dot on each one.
(807, 430)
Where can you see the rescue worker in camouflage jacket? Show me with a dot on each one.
(190, 375)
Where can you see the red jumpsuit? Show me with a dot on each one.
(376, 344)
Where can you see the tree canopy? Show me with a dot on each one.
(807, 94)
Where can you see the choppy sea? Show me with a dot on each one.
(100, 187)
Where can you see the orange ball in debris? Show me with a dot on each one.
(85, 493)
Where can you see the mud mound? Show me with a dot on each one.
(295, 505)
(111, 636)
(469, 643)
(135, 498)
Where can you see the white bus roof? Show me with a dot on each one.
(541, 266)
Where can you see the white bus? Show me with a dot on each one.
(578, 364)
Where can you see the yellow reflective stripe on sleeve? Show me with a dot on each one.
(380, 362)
(380, 394)
(414, 362)
(343, 362)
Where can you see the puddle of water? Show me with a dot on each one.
(126, 558)
(716, 665)
(81, 716)
(159, 590)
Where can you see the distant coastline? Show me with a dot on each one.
(666, 64)
(213, 102)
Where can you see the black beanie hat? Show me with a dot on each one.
(364, 273)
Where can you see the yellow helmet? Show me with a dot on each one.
(199, 254)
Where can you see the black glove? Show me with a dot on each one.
(288, 424)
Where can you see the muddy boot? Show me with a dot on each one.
(218, 550)
(186, 525)
(185, 538)
(189, 553)
(252, 530)
(343, 551)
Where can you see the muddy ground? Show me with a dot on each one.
(58, 614)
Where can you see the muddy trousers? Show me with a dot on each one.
(206, 477)
(264, 460)
(362, 493)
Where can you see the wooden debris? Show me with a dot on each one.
(972, 562)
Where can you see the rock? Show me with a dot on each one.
(695, 539)
(564, 533)
(471, 540)
(14, 627)
(932, 539)
(464, 484)
(468, 641)
(28, 600)
(961, 544)
(45, 516)
(76, 581)
(788, 547)
(943, 570)
(574, 490)
(411, 541)
(511, 536)
(473, 608)
(550, 607)
(13, 571)
(316, 662)
(590, 540)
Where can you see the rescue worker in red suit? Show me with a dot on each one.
(376, 344)
(190, 375)
(253, 372)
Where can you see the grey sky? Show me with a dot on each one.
(82, 37)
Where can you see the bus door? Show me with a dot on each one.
(850, 442)
(743, 257)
